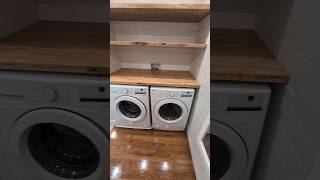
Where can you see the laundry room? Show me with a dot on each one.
(159, 92)
(131, 89)
(264, 52)
(54, 89)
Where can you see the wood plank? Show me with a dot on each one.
(239, 55)
(150, 154)
(159, 12)
(154, 78)
(158, 44)
(57, 47)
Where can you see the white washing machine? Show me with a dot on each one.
(53, 127)
(171, 108)
(237, 117)
(130, 106)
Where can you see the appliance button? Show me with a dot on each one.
(171, 94)
(125, 91)
(50, 95)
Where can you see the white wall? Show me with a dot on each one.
(200, 116)
(114, 60)
(141, 57)
(115, 63)
(73, 10)
(236, 5)
(15, 15)
(291, 146)
(234, 14)
(18, 14)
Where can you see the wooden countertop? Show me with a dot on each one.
(182, 79)
(158, 44)
(57, 47)
(239, 55)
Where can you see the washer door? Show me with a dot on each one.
(229, 153)
(130, 108)
(59, 145)
(171, 111)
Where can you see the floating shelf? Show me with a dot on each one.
(154, 78)
(158, 44)
(239, 55)
(159, 12)
(57, 47)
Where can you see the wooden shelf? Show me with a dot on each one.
(154, 78)
(158, 44)
(159, 12)
(239, 55)
(57, 47)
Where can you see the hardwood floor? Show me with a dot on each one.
(150, 154)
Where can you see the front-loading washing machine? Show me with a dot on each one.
(130, 107)
(53, 127)
(237, 117)
(171, 107)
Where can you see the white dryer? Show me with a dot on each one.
(171, 108)
(130, 107)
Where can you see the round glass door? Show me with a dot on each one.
(60, 145)
(130, 108)
(63, 151)
(221, 157)
(170, 110)
(230, 154)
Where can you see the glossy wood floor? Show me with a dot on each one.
(150, 154)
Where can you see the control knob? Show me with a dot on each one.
(125, 91)
(50, 95)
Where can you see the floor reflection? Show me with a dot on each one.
(116, 172)
(150, 154)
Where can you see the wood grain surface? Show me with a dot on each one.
(158, 44)
(154, 78)
(239, 55)
(159, 12)
(57, 47)
(150, 155)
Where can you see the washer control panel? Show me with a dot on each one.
(187, 94)
(141, 92)
(50, 94)
(135, 91)
(228, 97)
(89, 96)
(54, 90)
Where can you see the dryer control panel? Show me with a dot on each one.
(172, 92)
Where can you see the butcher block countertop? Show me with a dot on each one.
(239, 55)
(182, 79)
(57, 47)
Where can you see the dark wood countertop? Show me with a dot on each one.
(239, 55)
(57, 47)
(182, 79)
